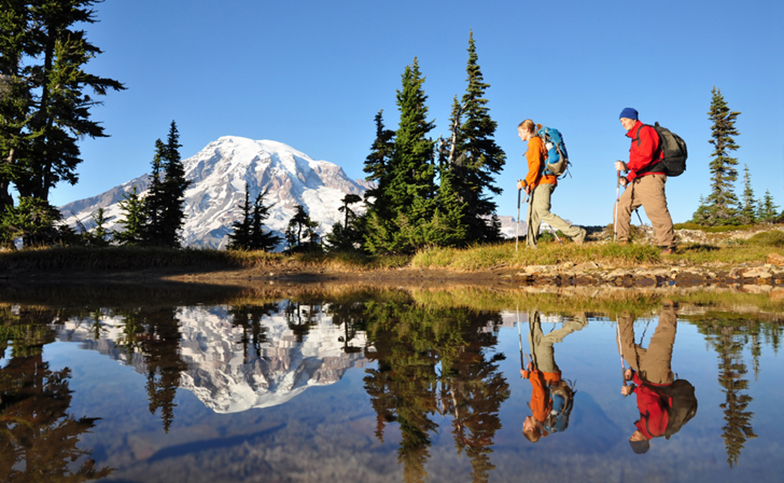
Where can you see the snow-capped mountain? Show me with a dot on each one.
(219, 174)
(226, 376)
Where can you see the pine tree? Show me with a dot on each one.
(134, 219)
(377, 162)
(481, 159)
(259, 238)
(163, 204)
(239, 238)
(721, 203)
(300, 232)
(49, 56)
(346, 237)
(44, 99)
(748, 207)
(99, 235)
(400, 224)
(767, 210)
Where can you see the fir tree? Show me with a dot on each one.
(134, 219)
(259, 238)
(300, 232)
(767, 210)
(748, 207)
(481, 159)
(377, 162)
(99, 235)
(400, 223)
(165, 215)
(721, 203)
(239, 238)
(348, 236)
(43, 65)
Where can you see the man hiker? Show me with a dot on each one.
(545, 378)
(650, 373)
(644, 183)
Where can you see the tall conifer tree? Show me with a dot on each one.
(748, 208)
(409, 196)
(721, 204)
(481, 158)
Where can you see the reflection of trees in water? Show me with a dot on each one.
(38, 438)
(729, 340)
(411, 342)
(155, 334)
(301, 317)
(248, 318)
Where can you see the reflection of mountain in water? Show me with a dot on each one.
(224, 374)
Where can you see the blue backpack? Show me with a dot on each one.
(557, 161)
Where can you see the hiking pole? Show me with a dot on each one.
(520, 338)
(620, 351)
(617, 202)
(517, 228)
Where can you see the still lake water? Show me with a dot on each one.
(378, 386)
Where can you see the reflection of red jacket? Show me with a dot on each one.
(541, 404)
(644, 152)
(653, 408)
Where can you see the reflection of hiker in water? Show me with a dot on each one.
(551, 398)
(664, 404)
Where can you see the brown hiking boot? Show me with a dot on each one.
(667, 250)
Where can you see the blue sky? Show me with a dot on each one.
(313, 74)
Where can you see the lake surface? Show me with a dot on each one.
(382, 386)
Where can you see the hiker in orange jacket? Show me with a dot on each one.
(540, 186)
(644, 183)
(543, 373)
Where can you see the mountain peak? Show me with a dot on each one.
(219, 174)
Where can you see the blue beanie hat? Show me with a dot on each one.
(629, 113)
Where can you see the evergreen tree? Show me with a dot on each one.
(99, 235)
(346, 237)
(478, 155)
(44, 66)
(399, 224)
(239, 238)
(165, 215)
(721, 203)
(259, 238)
(377, 162)
(748, 207)
(767, 210)
(134, 219)
(300, 232)
(44, 100)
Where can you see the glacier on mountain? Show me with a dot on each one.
(219, 174)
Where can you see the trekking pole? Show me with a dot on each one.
(517, 228)
(617, 202)
(520, 338)
(620, 351)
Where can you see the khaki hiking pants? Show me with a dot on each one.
(648, 192)
(654, 363)
(542, 345)
(539, 212)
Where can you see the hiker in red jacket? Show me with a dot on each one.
(650, 368)
(644, 183)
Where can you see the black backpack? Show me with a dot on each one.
(683, 404)
(674, 151)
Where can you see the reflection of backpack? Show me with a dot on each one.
(557, 161)
(674, 152)
(682, 407)
(562, 396)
